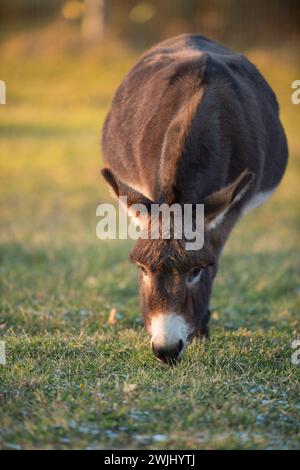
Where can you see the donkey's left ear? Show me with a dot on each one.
(218, 204)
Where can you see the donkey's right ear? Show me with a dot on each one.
(122, 189)
(137, 205)
(111, 180)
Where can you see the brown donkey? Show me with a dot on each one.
(193, 122)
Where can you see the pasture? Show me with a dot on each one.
(71, 380)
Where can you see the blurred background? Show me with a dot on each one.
(140, 23)
(62, 61)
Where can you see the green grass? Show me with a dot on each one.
(67, 380)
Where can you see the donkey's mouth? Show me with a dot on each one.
(167, 355)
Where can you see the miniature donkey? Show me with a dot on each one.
(192, 122)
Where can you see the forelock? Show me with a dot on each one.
(168, 254)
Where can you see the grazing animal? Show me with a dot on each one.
(192, 122)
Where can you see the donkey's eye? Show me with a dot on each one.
(144, 270)
(194, 274)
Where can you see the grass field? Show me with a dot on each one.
(73, 381)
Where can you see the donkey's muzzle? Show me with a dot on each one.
(168, 355)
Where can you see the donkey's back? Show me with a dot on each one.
(189, 118)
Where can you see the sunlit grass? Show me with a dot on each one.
(63, 385)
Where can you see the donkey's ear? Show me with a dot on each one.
(122, 189)
(218, 204)
(137, 203)
(111, 180)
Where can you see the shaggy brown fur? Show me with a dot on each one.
(192, 122)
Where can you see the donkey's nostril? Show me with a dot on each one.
(180, 346)
(169, 355)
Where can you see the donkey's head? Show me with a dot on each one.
(175, 283)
